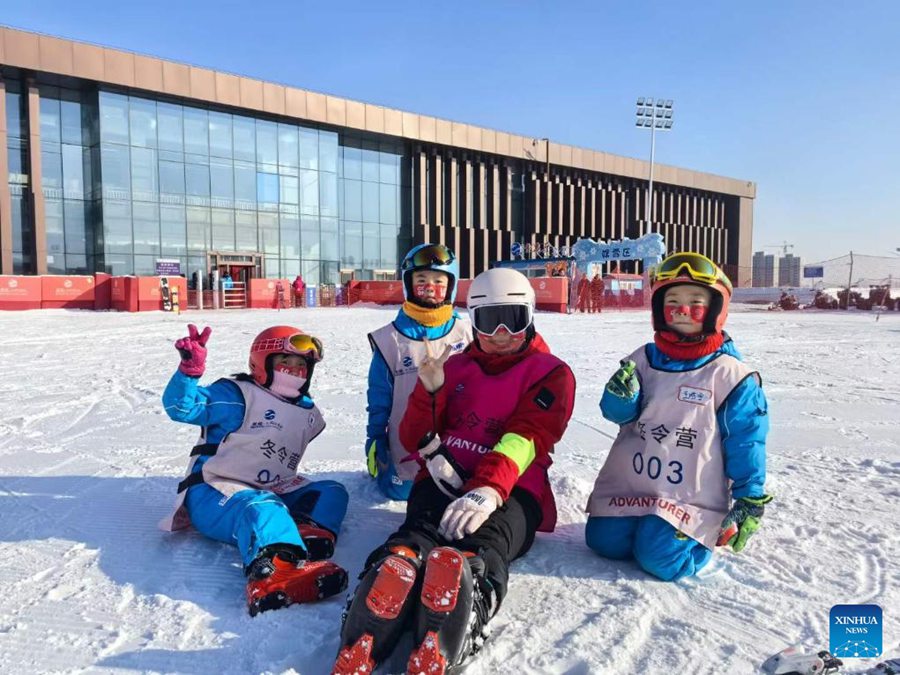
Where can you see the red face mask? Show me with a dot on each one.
(297, 371)
(433, 292)
(696, 312)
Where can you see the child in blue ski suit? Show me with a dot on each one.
(430, 273)
(687, 470)
(242, 485)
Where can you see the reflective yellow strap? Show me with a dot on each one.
(517, 448)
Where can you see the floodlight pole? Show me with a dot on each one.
(648, 206)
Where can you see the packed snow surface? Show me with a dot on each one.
(89, 463)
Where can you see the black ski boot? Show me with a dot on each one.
(451, 623)
(377, 614)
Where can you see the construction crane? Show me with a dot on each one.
(784, 246)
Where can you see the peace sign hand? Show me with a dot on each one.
(431, 370)
(193, 351)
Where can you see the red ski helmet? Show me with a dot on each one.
(698, 270)
(282, 340)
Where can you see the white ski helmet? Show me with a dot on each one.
(501, 297)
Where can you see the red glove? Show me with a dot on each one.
(193, 351)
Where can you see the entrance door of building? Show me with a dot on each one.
(235, 269)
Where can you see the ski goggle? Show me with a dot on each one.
(435, 254)
(698, 267)
(489, 319)
(299, 343)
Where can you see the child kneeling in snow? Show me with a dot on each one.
(693, 426)
(241, 485)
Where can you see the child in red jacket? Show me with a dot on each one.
(481, 492)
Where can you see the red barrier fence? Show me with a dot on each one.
(264, 293)
(142, 294)
(551, 293)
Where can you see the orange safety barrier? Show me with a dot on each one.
(67, 292)
(263, 293)
(20, 292)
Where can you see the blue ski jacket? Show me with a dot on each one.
(743, 420)
(218, 408)
(380, 394)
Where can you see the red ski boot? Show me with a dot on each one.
(278, 578)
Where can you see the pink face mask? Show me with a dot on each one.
(696, 312)
(431, 292)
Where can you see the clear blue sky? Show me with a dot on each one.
(801, 97)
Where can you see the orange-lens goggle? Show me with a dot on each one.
(436, 254)
(306, 345)
(698, 267)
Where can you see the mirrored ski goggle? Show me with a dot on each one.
(299, 343)
(435, 254)
(698, 267)
(490, 318)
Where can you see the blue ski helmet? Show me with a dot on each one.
(435, 257)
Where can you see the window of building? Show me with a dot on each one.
(117, 235)
(116, 169)
(309, 148)
(220, 135)
(196, 131)
(309, 237)
(49, 116)
(328, 151)
(244, 135)
(222, 229)
(267, 145)
(142, 115)
(145, 217)
(290, 236)
(288, 143)
(144, 182)
(172, 226)
(113, 118)
(171, 178)
(169, 117)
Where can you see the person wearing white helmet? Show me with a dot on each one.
(485, 422)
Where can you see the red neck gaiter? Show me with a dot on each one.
(676, 346)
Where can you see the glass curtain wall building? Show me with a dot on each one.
(128, 180)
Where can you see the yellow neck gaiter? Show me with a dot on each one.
(432, 316)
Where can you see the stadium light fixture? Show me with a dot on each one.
(654, 115)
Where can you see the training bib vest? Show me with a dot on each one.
(669, 461)
(403, 356)
(264, 453)
(478, 407)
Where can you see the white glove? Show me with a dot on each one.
(465, 515)
(448, 475)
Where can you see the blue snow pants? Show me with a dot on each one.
(254, 519)
(650, 541)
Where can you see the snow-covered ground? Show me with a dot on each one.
(89, 463)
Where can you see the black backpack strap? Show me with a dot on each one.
(194, 479)
(205, 449)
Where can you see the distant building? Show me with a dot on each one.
(789, 270)
(764, 270)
